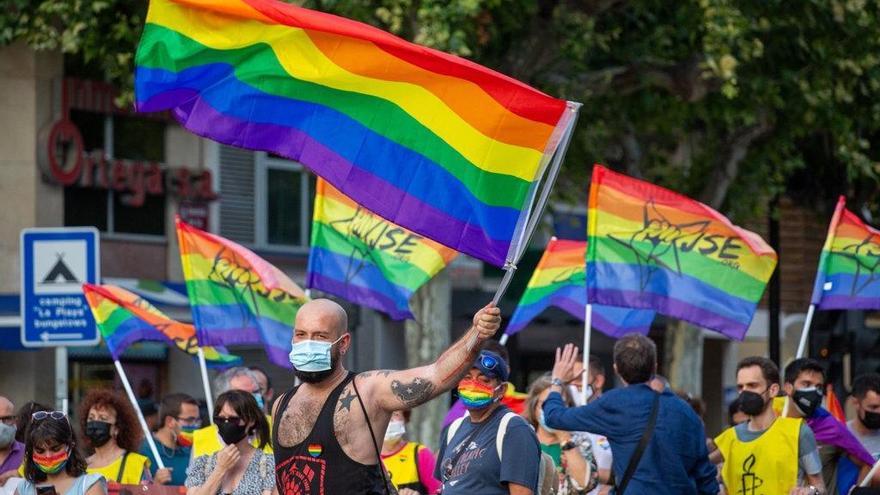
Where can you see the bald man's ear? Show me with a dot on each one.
(345, 343)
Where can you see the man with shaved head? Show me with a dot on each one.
(11, 451)
(328, 430)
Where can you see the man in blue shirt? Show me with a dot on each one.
(492, 450)
(675, 461)
(178, 419)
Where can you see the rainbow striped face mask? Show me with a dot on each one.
(185, 435)
(475, 394)
(51, 464)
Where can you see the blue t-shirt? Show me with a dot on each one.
(177, 459)
(478, 469)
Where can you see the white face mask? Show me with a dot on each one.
(395, 431)
(578, 396)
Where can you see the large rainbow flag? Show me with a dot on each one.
(655, 249)
(434, 143)
(365, 259)
(849, 266)
(125, 318)
(236, 296)
(560, 280)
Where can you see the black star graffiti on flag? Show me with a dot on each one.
(665, 239)
(866, 256)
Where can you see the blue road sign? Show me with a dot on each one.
(55, 262)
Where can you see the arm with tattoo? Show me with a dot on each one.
(405, 389)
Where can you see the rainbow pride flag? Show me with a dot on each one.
(655, 249)
(365, 259)
(560, 280)
(125, 318)
(434, 143)
(849, 266)
(236, 296)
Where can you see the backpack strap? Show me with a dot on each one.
(502, 431)
(122, 467)
(453, 428)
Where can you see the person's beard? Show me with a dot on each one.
(319, 376)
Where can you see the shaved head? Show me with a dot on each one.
(322, 314)
(7, 408)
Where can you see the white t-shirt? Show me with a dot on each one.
(602, 454)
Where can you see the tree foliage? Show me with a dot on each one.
(729, 101)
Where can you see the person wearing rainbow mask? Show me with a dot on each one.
(492, 450)
(178, 420)
(51, 459)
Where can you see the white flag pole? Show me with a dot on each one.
(209, 399)
(588, 323)
(805, 333)
(140, 415)
(524, 234)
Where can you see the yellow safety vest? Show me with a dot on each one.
(206, 441)
(766, 465)
(135, 466)
(403, 467)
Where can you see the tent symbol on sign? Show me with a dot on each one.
(60, 270)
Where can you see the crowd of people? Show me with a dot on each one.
(339, 432)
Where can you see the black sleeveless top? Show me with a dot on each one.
(318, 465)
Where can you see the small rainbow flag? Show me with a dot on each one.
(849, 266)
(655, 249)
(434, 143)
(365, 259)
(315, 450)
(236, 296)
(125, 318)
(560, 280)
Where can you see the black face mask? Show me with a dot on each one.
(317, 376)
(807, 400)
(231, 433)
(751, 403)
(98, 432)
(871, 420)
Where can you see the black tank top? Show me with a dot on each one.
(318, 465)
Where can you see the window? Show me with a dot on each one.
(266, 201)
(125, 137)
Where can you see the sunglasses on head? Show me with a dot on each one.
(41, 415)
(489, 362)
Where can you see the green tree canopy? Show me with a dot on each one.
(729, 101)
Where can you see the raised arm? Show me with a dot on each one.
(405, 389)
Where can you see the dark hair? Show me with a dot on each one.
(696, 403)
(24, 418)
(129, 434)
(635, 357)
(798, 366)
(768, 368)
(596, 366)
(245, 406)
(537, 388)
(733, 408)
(869, 382)
(171, 404)
(46, 432)
(268, 378)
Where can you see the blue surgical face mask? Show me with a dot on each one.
(543, 423)
(259, 398)
(312, 355)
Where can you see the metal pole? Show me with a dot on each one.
(588, 321)
(140, 415)
(870, 475)
(774, 293)
(805, 333)
(519, 244)
(61, 378)
(209, 399)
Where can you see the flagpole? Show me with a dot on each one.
(209, 399)
(521, 241)
(503, 339)
(588, 323)
(802, 346)
(867, 481)
(152, 443)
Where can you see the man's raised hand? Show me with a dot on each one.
(566, 360)
(487, 321)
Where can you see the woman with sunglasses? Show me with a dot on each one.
(110, 426)
(572, 452)
(52, 462)
(239, 468)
